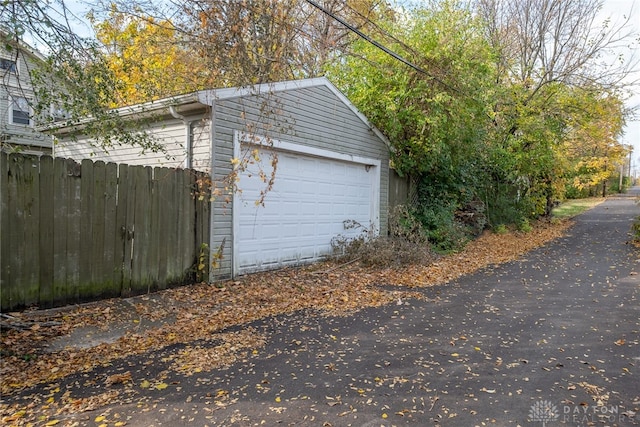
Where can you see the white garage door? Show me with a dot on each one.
(311, 198)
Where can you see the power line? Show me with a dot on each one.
(389, 51)
(370, 40)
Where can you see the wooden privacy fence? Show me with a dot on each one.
(399, 189)
(72, 232)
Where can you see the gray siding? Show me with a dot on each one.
(17, 137)
(312, 117)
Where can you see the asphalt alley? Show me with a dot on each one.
(550, 339)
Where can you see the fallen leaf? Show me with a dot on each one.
(265, 294)
(118, 379)
(14, 417)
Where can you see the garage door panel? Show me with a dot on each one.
(324, 189)
(304, 210)
(311, 208)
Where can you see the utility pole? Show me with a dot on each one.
(630, 153)
(621, 173)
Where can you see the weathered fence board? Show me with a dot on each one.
(46, 231)
(60, 235)
(124, 234)
(30, 193)
(75, 232)
(85, 260)
(4, 227)
(110, 271)
(399, 188)
(187, 237)
(141, 180)
(12, 233)
(169, 221)
(161, 183)
(156, 237)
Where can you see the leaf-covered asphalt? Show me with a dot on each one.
(552, 338)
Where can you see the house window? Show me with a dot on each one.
(58, 113)
(20, 111)
(8, 65)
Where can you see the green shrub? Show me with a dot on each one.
(524, 225)
(501, 208)
(635, 229)
(444, 232)
(500, 229)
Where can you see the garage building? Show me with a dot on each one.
(289, 163)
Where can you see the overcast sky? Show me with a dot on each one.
(617, 10)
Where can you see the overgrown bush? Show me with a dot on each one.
(573, 192)
(406, 243)
(403, 224)
(500, 229)
(635, 230)
(473, 216)
(442, 229)
(501, 207)
(614, 184)
(524, 225)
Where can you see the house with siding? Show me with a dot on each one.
(17, 125)
(290, 163)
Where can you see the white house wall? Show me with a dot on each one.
(171, 133)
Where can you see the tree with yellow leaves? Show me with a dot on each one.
(595, 119)
(223, 43)
(147, 57)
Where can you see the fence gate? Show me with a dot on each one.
(72, 232)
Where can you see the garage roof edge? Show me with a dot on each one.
(208, 97)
